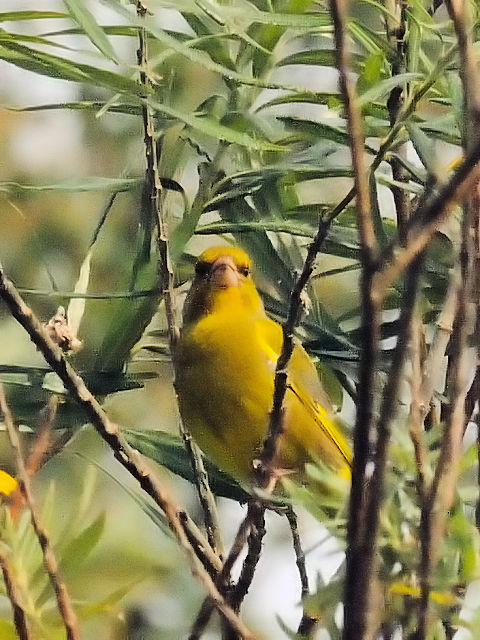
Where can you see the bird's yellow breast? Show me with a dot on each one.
(225, 377)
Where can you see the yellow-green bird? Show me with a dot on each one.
(225, 367)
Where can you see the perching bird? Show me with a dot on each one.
(225, 366)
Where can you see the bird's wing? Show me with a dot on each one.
(304, 383)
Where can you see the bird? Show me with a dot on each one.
(224, 377)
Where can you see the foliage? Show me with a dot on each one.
(253, 149)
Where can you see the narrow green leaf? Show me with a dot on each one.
(16, 16)
(240, 227)
(385, 86)
(319, 57)
(83, 105)
(321, 130)
(86, 21)
(86, 184)
(213, 128)
(21, 37)
(76, 306)
(169, 451)
(56, 67)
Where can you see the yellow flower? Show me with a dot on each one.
(225, 365)
(7, 483)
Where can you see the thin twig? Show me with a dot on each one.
(443, 487)
(426, 220)
(307, 623)
(64, 604)
(13, 594)
(39, 453)
(432, 369)
(223, 578)
(255, 539)
(205, 495)
(129, 457)
(416, 416)
(154, 190)
(396, 30)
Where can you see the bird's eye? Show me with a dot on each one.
(202, 268)
(244, 271)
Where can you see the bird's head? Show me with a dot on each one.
(222, 279)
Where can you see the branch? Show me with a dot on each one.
(307, 623)
(443, 488)
(11, 587)
(358, 577)
(223, 578)
(154, 187)
(396, 30)
(129, 457)
(425, 221)
(64, 604)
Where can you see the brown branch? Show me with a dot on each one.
(416, 414)
(255, 539)
(307, 623)
(11, 587)
(154, 189)
(425, 222)
(443, 487)
(129, 457)
(223, 579)
(432, 369)
(357, 606)
(205, 495)
(396, 30)
(64, 604)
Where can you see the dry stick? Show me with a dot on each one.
(307, 623)
(223, 577)
(415, 419)
(129, 457)
(424, 223)
(356, 603)
(154, 188)
(443, 486)
(64, 604)
(396, 30)
(442, 491)
(255, 538)
(11, 587)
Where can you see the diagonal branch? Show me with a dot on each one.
(128, 457)
(153, 187)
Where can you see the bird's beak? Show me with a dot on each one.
(223, 273)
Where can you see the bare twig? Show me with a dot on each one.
(307, 623)
(443, 487)
(255, 538)
(223, 578)
(416, 416)
(49, 559)
(425, 221)
(154, 189)
(432, 369)
(396, 30)
(205, 495)
(131, 459)
(11, 587)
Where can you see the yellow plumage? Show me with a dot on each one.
(225, 365)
